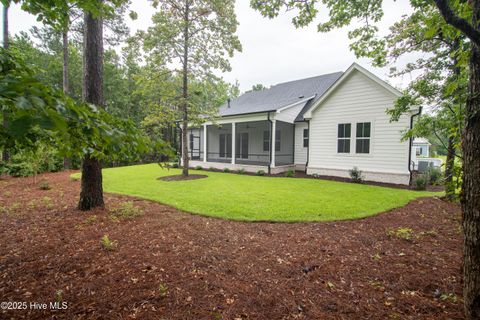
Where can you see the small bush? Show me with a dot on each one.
(401, 233)
(241, 171)
(44, 185)
(74, 178)
(356, 175)
(289, 174)
(126, 210)
(260, 173)
(108, 244)
(212, 169)
(316, 175)
(421, 181)
(198, 168)
(174, 165)
(434, 175)
(226, 170)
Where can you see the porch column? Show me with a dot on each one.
(204, 143)
(233, 142)
(272, 143)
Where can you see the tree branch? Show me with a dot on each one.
(458, 22)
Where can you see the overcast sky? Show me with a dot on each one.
(273, 50)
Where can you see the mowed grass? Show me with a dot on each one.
(255, 198)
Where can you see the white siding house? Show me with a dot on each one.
(358, 100)
(325, 125)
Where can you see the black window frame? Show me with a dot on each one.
(344, 136)
(363, 135)
(266, 140)
(278, 140)
(305, 138)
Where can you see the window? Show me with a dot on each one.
(305, 138)
(242, 145)
(191, 141)
(363, 137)
(344, 133)
(225, 145)
(419, 151)
(277, 140)
(266, 140)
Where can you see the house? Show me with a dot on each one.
(421, 155)
(325, 125)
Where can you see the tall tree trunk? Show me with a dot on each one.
(5, 151)
(66, 87)
(449, 169)
(185, 92)
(471, 185)
(91, 195)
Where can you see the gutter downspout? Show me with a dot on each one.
(270, 142)
(411, 145)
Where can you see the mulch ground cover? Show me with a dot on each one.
(167, 264)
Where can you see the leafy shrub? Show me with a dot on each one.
(174, 165)
(226, 170)
(198, 168)
(289, 174)
(316, 175)
(356, 175)
(434, 175)
(260, 173)
(40, 158)
(108, 244)
(74, 178)
(44, 185)
(241, 171)
(421, 182)
(401, 233)
(126, 210)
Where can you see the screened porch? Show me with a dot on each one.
(250, 140)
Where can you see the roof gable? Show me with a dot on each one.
(354, 67)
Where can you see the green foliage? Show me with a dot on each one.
(241, 171)
(289, 174)
(163, 290)
(198, 168)
(108, 244)
(226, 170)
(260, 173)
(356, 175)
(421, 182)
(38, 112)
(435, 175)
(127, 210)
(401, 233)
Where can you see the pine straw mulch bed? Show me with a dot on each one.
(172, 265)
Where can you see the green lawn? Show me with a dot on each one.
(253, 198)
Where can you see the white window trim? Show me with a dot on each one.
(353, 139)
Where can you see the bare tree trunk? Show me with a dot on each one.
(66, 87)
(471, 183)
(449, 170)
(5, 152)
(185, 93)
(91, 195)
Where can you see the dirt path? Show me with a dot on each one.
(173, 265)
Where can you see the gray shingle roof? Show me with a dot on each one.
(281, 95)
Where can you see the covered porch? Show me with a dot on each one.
(260, 143)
